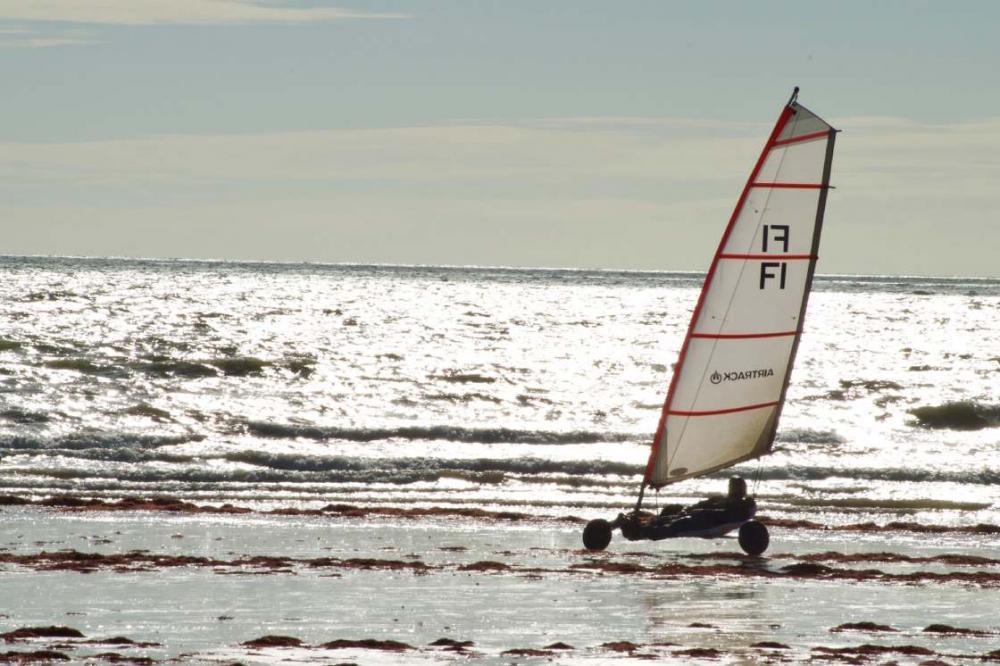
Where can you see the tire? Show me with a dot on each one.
(597, 534)
(754, 538)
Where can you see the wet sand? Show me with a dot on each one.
(152, 580)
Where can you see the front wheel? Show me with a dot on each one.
(597, 534)
(754, 538)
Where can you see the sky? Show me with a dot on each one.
(550, 133)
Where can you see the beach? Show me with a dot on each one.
(221, 462)
(225, 585)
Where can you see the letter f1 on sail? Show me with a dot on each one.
(730, 380)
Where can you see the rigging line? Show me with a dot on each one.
(715, 343)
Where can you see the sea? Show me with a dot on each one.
(301, 385)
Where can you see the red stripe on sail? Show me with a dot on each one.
(786, 114)
(783, 257)
(731, 410)
(804, 137)
(792, 186)
(741, 336)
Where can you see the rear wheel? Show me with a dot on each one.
(754, 538)
(597, 534)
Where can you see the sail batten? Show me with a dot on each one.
(715, 412)
(731, 377)
(792, 186)
(742, 336)
(786, 257)
(804, 137)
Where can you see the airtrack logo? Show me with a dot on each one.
(740, 375)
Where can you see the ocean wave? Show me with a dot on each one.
(490, 435)
(23, 417)
(869, 385)
(517, 466)
(148, 411)
(53, 295)
(808, 436)
(85, 366)
(256, 466)
(463, 378)
(170, 368)
(462, 398)
(446, 433)
(196, 475)
(93, 441)
(852, 389)
(983, 475)
(128, 462)
(239, 366)
(964, 415)
(884, 504)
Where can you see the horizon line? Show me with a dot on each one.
(459, 267)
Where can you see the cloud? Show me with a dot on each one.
(43, 42)
(482, 155)
(875, 157)
(893, 157)
(644, 194)
(20, 37)
(160, 12)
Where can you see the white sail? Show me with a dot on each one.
(730, 380)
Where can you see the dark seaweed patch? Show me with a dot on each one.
(367, 644)
(116, 658)
(273, 641)
(27, 657)
(120, 640)
(954, 560)
(870, 650)
(699, 653)
(863, 626)
(958, 631)
(451, 643)
(40, 632)
(485, 566)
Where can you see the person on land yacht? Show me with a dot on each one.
(714, 512)
(733, 507)
(735, 498)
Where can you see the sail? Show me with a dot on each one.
(730, 379)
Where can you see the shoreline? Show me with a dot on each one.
(173, 505)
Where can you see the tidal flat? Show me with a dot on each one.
(109, 582)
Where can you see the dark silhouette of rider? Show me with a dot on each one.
(733, 507)
(734, 498)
